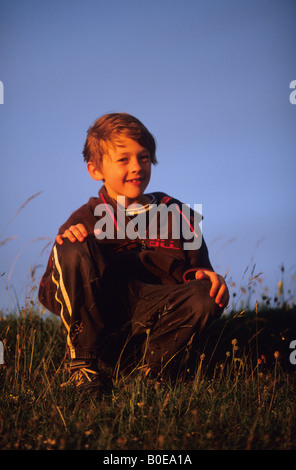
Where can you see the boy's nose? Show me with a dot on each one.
(135, 165)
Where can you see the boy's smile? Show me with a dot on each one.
(126, 170)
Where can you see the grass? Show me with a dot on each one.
(242, 395)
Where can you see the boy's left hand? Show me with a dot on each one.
(73, 233)
(219, 289)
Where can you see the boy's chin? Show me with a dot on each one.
(136, 192)
(132, 195)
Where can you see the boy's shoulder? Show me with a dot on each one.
(159, 196)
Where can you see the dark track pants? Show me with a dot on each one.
(108, 317)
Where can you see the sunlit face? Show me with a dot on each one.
(126, 170)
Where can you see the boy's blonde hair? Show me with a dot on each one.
(111, 126)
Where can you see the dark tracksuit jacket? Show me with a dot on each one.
(109, 290)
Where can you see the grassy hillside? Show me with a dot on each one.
(241, 396)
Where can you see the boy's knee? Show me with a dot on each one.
(85, 257)
(203, 306)
(68, 245)
(70, 253)
(199, 291)
(67, 248)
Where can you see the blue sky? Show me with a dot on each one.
(211, 82)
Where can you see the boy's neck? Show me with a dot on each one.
(143, 199)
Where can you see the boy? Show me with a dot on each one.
(119, 274)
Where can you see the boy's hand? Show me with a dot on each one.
(219, 288)
(73, 233)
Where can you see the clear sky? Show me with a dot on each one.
(210, 79)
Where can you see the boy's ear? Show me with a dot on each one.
(94, 172)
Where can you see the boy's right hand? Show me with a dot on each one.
(73, 233)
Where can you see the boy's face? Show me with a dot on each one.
(125, 169)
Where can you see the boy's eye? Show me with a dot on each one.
(144, 157)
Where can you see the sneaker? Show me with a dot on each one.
(85, 376)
